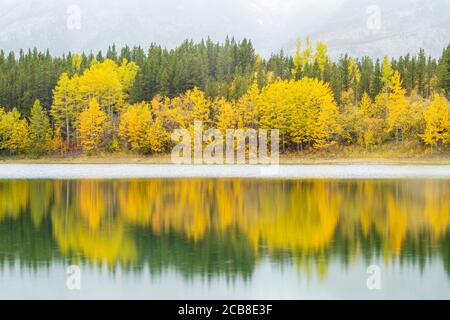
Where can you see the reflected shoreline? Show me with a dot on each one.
(172, 171)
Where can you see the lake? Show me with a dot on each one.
(217, 232)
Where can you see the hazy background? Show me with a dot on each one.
(395, 26)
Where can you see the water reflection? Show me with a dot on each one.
(215, 227)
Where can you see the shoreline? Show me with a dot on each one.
(284, 160)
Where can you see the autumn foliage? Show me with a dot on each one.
(91, 110)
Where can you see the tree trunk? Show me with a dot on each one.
(67, 130)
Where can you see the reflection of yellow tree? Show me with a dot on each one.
(13, 198)
(110, 245)
(39, 200)
(76, 224)
(164, 205)
(396, 223)
(91, 202)
(304, 220)
(437, 208)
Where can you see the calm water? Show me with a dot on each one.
(225, 238)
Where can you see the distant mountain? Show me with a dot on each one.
(405, 25)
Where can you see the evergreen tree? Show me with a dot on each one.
(444, 71)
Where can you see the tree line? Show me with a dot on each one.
(133, 100)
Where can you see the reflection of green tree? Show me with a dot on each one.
(228, 254)
(445, 251)
(33, 247)
(416, 250)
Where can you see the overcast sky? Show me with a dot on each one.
(85, 25)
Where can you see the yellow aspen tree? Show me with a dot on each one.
(301, 58)
(366, 106)
(3, 128)
(437, 119)
(350, 117)
(274, 105)
(247, 114)
(327, 124)
(226, 118)
(13, 131)
(321, 56)
(371, 125)
(397, 104)
(91, 126)
(293, 107)
(354, 77)
(157, 136)
(386, 73)
(197, 106)
(297, 58)
(365, 130)
(307, 54)
(135, 122)
(169, 112)
(175, 114)
(103, 83)
(127, 72)
(109, 84)
(57, 143)
(413, 117)
(64, 106)
(77, 60)
(20, 134)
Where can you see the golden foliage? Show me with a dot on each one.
(437, 118)
(304, 111)
(13, 131)
(91, 126)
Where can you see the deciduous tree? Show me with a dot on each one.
(437, 118)
(13, 131)
(40, 130)
(91, 126)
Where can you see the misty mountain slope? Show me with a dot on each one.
(270, 24)
(405, 26)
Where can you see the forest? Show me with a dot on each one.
(130, 100)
